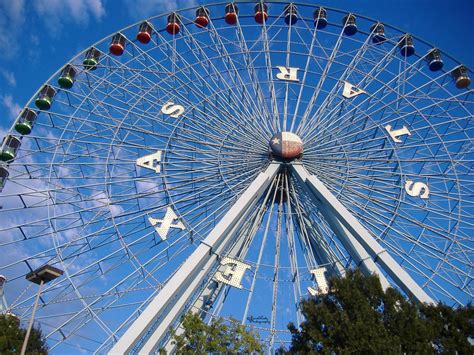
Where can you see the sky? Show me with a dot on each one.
(40, 36)
(37, 37)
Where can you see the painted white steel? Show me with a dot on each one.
(379, 254)
(190, 274)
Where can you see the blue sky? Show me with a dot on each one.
(40, 36)
(37, 37)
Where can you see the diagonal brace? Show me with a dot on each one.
(323, 196)
(189, 276)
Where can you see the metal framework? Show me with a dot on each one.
(180, 288)
(150, 181)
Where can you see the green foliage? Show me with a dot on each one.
(12, 336)
(358, 317)
(217, 337)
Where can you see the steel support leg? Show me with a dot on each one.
(212, 289)
(181, 286)
(347, 221)
(353, 247)
(358, 253)
(321, 249)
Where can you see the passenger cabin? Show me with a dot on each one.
(91, 59)
(378, 33)
(461, 77)
(144, 32)
(349, 23)
(261, 12)
(117, 45)
(231, 13)
(406, 46)
(290, 14)
(10, 147)
(67, 77)
(202, 17)
(434, 60)
(45, 97)
(24, 124)
(320, 18)
(3, 177)
(174, 23)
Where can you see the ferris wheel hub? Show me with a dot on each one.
(286, 145)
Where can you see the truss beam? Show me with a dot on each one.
(190, 275)
(346, 222)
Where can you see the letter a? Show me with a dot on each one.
(320, 280)
(151, 161)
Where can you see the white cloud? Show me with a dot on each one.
(9, 77)
(141, 9)
(54, 14)
(12, 17)
(59, 12)
(12, 107)
(102, 200)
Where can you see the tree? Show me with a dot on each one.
(217, 337)
(358, 317)
(12, 336)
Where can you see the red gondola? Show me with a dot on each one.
(202, 17)
(173, 26)
(231, 13)
(117, 46)
(144, 33)
(261, 12)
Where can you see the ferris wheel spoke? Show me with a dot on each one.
(143, 115)
(268, 64)
(215, 88)
(381, 170)
(287, 84)
(372, 76)
(260, 107)
(269, 196)
(391, 190)
(146, 150)
(384, 107)
(317, 90)
(309, 233)
(197, 90)
(276, 262)
(370, 132)
(378, 69)
(291, 244)
(311, 58)
(184, 100)
(387, 207)
(348, 76)
(252, 74)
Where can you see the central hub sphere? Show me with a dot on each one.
(286, 145)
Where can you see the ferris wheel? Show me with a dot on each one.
(229, 159)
